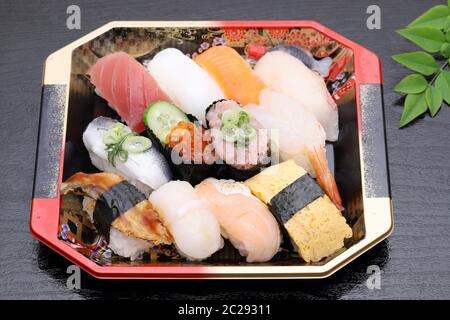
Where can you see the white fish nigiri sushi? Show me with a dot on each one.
(297, 135)
(147, 170)
(284, 73)
(190, 87)
(244, 219)
(194, 227)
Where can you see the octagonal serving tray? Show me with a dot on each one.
(358, 158)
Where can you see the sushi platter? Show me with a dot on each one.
(201, 150)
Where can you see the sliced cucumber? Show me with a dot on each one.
(161, 116)
(136, 144)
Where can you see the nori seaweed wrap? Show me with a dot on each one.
(119, 212)
(183, 141)
(314, 224)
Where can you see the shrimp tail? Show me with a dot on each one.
(325, 178)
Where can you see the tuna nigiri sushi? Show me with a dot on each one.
(194, 227)
(232, 73)
(284, 73)
(298, 135)
(190, 87)
(250, 226)
(127, 87)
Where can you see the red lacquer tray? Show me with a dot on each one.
(359, 155)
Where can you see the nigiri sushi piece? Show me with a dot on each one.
(190, 87)
(315, 225)
(194, 227)
(321, 66)
(244, 219)
(234, 75)
(143, 166)
(238, 138)
(127, 86)
(284, 73)
(119, 212)
(297, 135)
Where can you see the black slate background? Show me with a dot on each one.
(415, 261)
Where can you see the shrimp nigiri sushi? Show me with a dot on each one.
(235, 76)
(250, 226)
(298, 135)
(190, 87)
(284, 73)
(127, 86)
(194, 227)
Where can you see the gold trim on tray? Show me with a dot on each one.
(378, 217)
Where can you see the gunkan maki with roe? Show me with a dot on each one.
(185, 143)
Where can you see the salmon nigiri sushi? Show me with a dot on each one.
(232, 73)
(250, 226)
(127, 86)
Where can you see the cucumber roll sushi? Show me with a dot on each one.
(314, 224)
(182, 140)
(238, 138)
(119, 212)
(114, 148)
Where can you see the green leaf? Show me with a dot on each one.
(447, 34)
(445, 50)
(415, 105)
(434, 17)
(428, 38)
(414, 83)
(443, 83)
(447, 23)
(418, 61)
(434, 99)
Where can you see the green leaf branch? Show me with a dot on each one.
(428, 88)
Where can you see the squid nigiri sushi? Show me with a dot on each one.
(284, 73)
(244, 219)
(232, 73)
(298, 135)
(189, 86)
(127, 86)
(119, 212)
(138, 161)
(194, 227)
